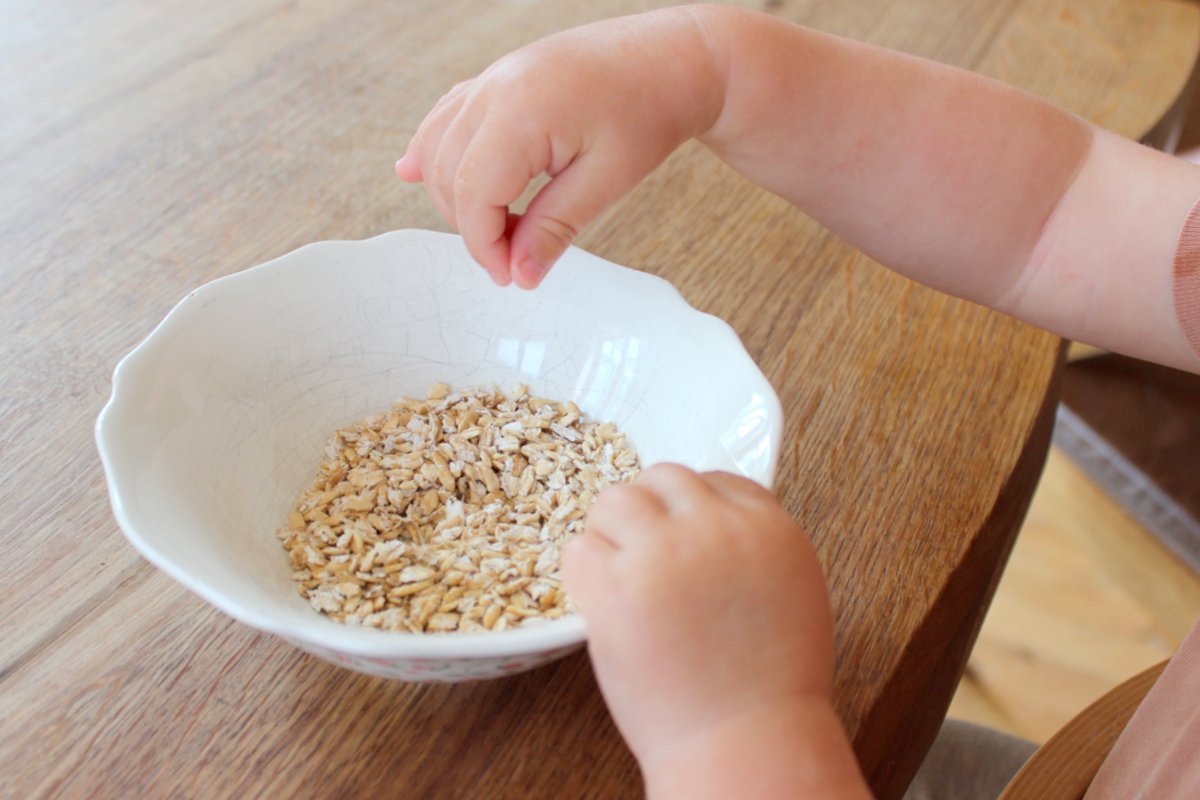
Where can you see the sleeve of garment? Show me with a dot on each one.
(1157, 756)
(1187, 279)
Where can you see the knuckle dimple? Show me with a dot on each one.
(453, 92)
(509, 72)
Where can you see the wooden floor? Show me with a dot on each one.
(1087, 600)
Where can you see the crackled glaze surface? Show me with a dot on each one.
(157, 146)
(220, 416)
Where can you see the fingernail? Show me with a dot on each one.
(532, 270)
(501, 279)
(403, 170)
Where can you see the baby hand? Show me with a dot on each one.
(595, 108)
(705, 607)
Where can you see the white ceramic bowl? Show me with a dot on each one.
(219, 418)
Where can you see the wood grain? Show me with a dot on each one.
(146, 148)
(1064, 767)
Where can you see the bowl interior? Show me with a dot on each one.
(220, 417)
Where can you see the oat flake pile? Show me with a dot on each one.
(449, 513)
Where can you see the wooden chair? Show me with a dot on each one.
(1063, 768)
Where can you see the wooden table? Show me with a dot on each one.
(147, 147)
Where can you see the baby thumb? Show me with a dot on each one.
(558, 213)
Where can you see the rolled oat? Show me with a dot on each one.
(449, 513)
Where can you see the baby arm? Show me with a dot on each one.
(960, 182)
(710, 634)
(957, 181)
(595, 108)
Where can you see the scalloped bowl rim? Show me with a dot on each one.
(369, 642)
